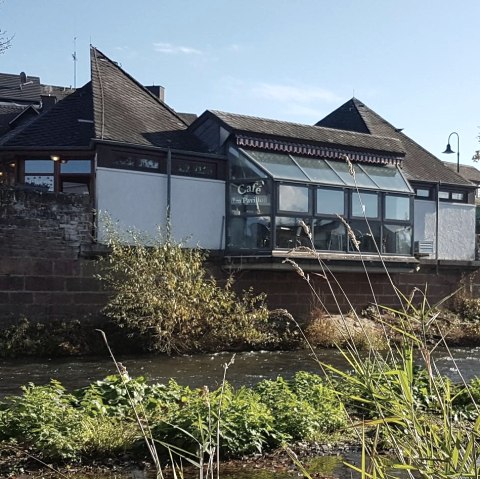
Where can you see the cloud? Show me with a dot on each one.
(295, 94)
(175, 49)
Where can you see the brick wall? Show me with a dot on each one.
(42, 273)
(287, 289)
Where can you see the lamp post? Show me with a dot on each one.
(448, 149)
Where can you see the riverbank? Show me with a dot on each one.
(59, 339)
(321, 461)
(94, 428)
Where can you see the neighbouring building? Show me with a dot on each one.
(243, 188)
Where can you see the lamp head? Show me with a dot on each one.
(448, 149)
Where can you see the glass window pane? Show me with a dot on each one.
(319, 171)
(250, 233)
(368, 241)
(76, 166)
(422, 193)
(444, 195)
(365, 204)
(330, 202)
(458, 196)
(293, 198)
(150, 163)
(40, 181)
(241, 167)
(397, 239)
(75, 187)
(39, 166)
(279, 166)
(387, 177)
(250, 197)
(361, 179)
(397, 208)
(329, 234)
(289, 232)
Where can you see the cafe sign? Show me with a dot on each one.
(251, 193)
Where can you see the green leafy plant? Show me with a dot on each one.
(44, 418)
(163, 294)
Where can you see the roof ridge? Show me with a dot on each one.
(305, 125)
(358, 103)
(143, 87)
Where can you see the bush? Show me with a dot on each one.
(246, 425)
(467, 308)
(45, 419)
(163, 294)
(302, 408)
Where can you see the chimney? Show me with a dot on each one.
(158, 91)
(48, 101)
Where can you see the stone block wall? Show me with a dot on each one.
(42, 273)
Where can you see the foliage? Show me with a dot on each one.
(105, 436)
(163, 294)
(467, 308)
(109, 397)
(45, 419)
(302, 408)
(243, 423)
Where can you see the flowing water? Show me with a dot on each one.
(199, 370)
(248, 368)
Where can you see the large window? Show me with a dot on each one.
(66, 175)
(266, 211)
(295, 199)
(330, 201)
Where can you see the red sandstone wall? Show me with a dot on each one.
(43, 275)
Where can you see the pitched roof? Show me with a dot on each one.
(19, 88)
(69, 123)
(419, 164)
(468, 172)
(308, 133)
(8, 112)
(125, 111)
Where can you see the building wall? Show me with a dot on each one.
(44, 274)
(456, 229)
(42, 236)
(139, 201)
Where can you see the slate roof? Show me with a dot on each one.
(12, 88)
(127, 112)
(419, 164)
(468, 172)
(307, 133)
(8, 112)
(113, 107)
(59, 126)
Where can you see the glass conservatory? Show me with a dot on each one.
(270, 194)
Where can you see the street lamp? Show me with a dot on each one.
(448, 149)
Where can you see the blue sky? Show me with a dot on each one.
(414, 62)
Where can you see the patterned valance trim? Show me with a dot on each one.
(317, 151)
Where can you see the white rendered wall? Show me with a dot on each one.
(456, 229)
(138, 200)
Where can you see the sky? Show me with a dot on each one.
(413, 62)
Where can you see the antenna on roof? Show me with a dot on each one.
(74, 56)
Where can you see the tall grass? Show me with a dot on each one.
(406, 424)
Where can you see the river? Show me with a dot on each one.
(248, 368)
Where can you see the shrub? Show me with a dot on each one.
(467, 308)
(45, 419)
(245, 424)
(163, 294)
(299, 414)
